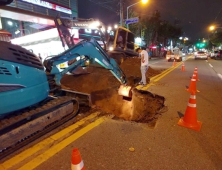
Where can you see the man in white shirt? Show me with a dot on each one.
(144, 65)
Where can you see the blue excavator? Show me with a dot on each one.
(27, 89)
(31, 98)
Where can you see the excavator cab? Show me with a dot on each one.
(121, 40)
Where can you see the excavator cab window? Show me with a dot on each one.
(112, 35)
(87, 34)
(121, 38)
(111, 38)
(130, 41)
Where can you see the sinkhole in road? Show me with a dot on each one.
(103, 87)
(144, 107)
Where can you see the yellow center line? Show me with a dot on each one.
(44, 145)
(161, 75)
(169, 70)
(56, 148)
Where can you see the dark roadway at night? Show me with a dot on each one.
(167, 145)
(117, 144)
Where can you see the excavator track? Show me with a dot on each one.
(18, 131)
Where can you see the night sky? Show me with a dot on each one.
(194, 16)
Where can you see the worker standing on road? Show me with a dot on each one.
(144, 65)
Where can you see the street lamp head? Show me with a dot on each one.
(144, 1)
(212, 28)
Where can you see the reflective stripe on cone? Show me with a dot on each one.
(192, 86)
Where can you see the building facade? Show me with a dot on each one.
(31, 23)
(23, 17)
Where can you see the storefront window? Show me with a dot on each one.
(22, 28)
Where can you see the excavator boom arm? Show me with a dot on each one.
(89, 51)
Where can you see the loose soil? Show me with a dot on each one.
(103, 87)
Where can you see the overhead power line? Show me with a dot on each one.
(218, 13)
(108, 4)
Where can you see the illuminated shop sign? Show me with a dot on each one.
(49, 5)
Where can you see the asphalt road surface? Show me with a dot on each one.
(164, 146)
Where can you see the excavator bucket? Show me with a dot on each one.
(125, 91)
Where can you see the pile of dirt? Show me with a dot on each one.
(103, 87)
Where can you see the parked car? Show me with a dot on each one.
(214, 53)
(208, 54)
(201, 55)
(218, 55)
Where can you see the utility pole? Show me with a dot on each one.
(121, 13)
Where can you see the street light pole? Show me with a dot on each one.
(127, 15)
(143, 1)
(121, 13)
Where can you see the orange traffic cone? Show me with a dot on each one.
(190, 117)
(195, 72)
(194, 76)
(183, 67)
(174, 63)
(192, 86)
(77, 163)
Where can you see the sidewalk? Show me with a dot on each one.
(166, 146)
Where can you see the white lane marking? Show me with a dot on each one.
(219, 75)
(210, 65)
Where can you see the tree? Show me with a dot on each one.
(136, 27)
(148, 26)
(216, 38)
(155, 31)
(151, 26)
(169, 31)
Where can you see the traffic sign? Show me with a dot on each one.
(132, 20)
